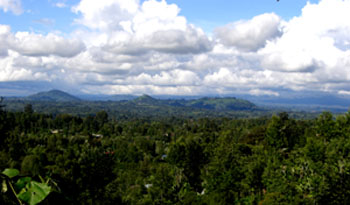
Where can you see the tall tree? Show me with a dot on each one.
(282, 132)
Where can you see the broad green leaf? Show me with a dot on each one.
(21, 182)
(4, 186)
(11, 172)
(34, 193)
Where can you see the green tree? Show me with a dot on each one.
(282, 132)
(101, 118)
(188, 154)
(4, 128)
(222, 182)
(326, 126)
(28, 109)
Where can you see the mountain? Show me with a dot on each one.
(53, 96)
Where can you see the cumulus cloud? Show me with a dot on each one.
(131, 28)
(14, 6)
(29, 56)
(38, 45)
(142, 89)
(32, 44)
(105, 14)
(191, 40)
(9, 71)
(245, 80)
(4, 35)
(315, 40)
(171, 78)
(252, 34)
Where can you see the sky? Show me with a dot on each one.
(175, 47)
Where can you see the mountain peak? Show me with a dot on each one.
(145, 96)
(145, 99)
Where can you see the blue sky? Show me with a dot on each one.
(41, 16)
(209, 14)
(175, 47)
(44, 15)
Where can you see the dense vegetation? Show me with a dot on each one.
(98, 160)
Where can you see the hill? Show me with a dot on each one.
(229, 103)
(146, 100)
(52, 96)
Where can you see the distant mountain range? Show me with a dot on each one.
(287, 101)
(227, 103)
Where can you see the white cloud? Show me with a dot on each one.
(133, 29)
(38, 45)
(191, 40)
(29, 56)
(4, 35)
(61, 5)
(315, 40)
(105, 14)
(32, 44)
(14, 6)
(9, 71)
(142, 89)
(252, 34)
(171, 78)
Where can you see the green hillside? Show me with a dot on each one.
(228, 103)
(53, 96)
(221, 104)
(146, 99)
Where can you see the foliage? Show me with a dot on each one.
(99, 159)
(28, 190)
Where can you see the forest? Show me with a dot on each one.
(99, 159)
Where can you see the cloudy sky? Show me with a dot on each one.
(175, 47)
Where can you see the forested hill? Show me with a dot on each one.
(52, 96)
(228, 103)
(146, 100)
